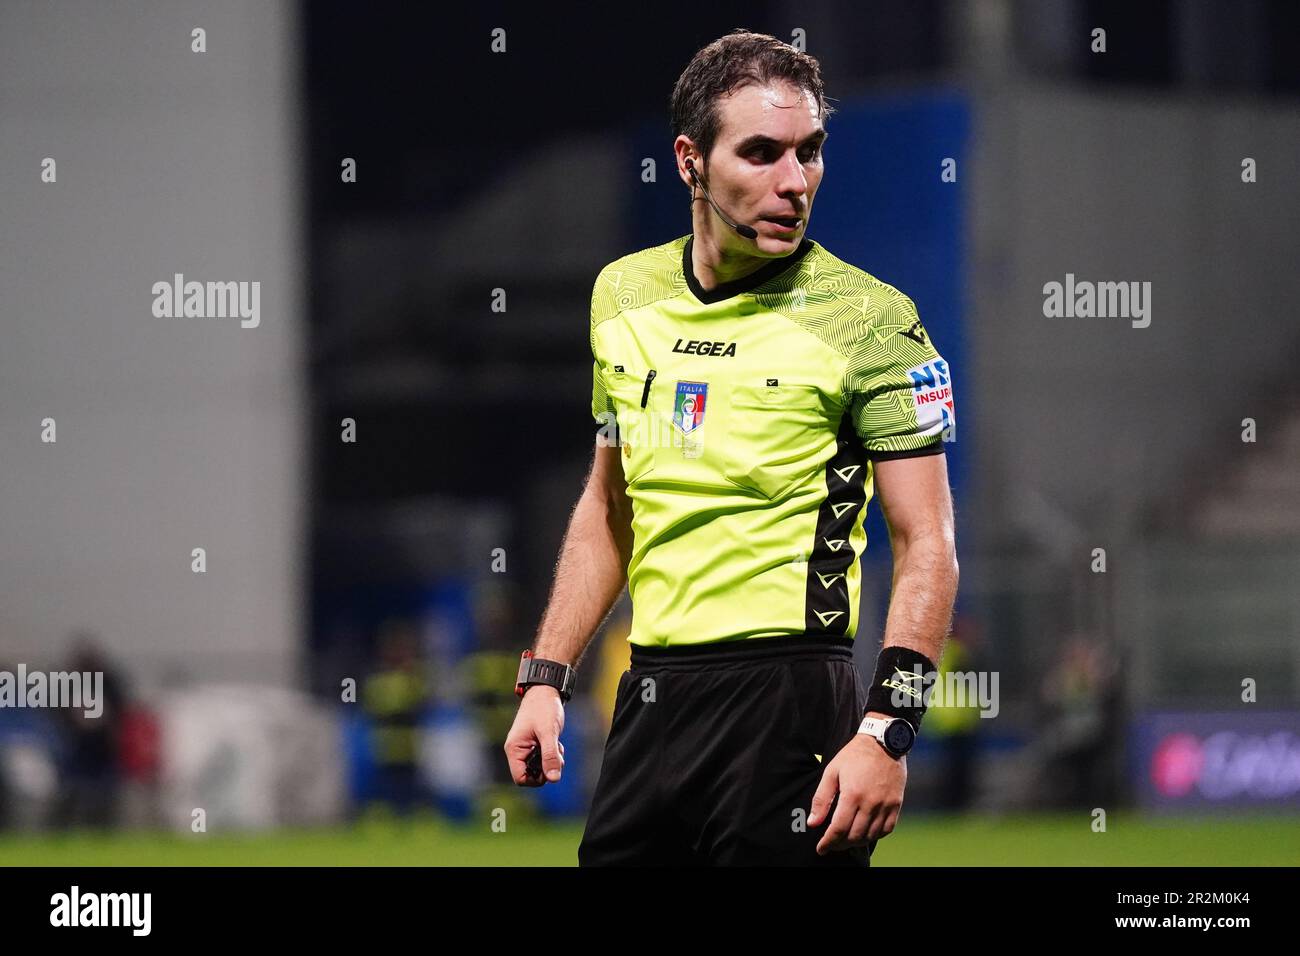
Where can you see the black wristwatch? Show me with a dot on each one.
(537, 670)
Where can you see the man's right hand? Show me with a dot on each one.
(537, 724)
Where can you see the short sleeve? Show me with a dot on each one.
(602, 409)
(901, 387)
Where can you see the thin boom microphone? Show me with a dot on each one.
(749, 232)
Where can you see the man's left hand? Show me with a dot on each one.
(870, 785)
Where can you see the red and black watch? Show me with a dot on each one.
(537, 670)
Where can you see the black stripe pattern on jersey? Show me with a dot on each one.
(826, 608)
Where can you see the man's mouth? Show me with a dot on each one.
(785, 222)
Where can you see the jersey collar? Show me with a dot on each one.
(745, 283)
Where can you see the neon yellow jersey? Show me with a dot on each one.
(749, 417)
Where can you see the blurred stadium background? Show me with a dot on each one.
(415, 561)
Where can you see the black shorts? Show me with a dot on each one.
(712, 756)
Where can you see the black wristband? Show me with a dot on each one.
(901, 685)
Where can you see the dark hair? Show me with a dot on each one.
(737, 59)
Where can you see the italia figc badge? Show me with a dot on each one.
(689, 404)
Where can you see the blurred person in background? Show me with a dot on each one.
(395, 697)
(488, 672)
(5, 798)
(90, 772)
(1080, 695)
(6, 791)
(955, 723)
(140, 758)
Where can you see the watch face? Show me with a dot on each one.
(899, 736)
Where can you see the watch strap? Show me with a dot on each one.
(539, 670)
(876, 727)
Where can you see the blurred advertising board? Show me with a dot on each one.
(1214, 761)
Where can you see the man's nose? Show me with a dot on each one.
(790, 177)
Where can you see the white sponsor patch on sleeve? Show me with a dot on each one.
(932, 398)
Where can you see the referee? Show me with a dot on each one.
(761, 389)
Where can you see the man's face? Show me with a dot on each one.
(766, 164)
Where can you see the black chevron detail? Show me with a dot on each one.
(826, 606)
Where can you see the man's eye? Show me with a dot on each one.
(767, 155)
